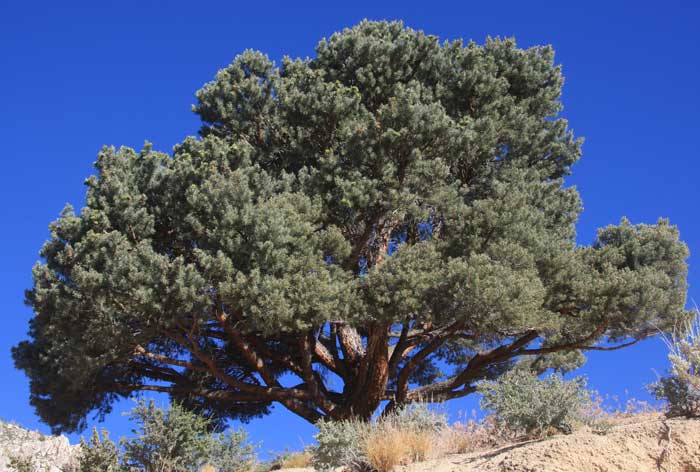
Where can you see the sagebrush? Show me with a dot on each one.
(534, 406)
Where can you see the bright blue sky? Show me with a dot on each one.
(77, 75)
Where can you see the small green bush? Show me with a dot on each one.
(681, 388)
(175, 440)
(681, 398)
(288, 459)
(536, 407)
(172, 440)
(98, 455)
(230, 452)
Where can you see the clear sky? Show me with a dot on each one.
(77, 75)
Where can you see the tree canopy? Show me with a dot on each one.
(386, 221)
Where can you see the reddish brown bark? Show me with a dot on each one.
(365, 359)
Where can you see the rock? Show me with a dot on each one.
(39, 452)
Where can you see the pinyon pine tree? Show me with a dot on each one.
(384, 221)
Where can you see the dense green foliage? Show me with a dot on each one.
(387, 220)
(524, 403)
(175, 440)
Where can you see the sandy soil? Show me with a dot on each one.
(640, 446)
(644, 443)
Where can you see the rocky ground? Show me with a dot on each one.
(34, 450)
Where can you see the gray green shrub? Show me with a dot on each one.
(416, 417)
(535, 407)
(340, 444)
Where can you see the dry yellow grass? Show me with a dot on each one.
(297, 460)
(210, 468)
(387, 447)
(456, 441)
(419, 444)
(472, 436)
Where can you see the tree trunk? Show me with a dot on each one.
(368, 390)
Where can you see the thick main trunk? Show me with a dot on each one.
(368, 389)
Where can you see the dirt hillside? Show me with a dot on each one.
(648, 443)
